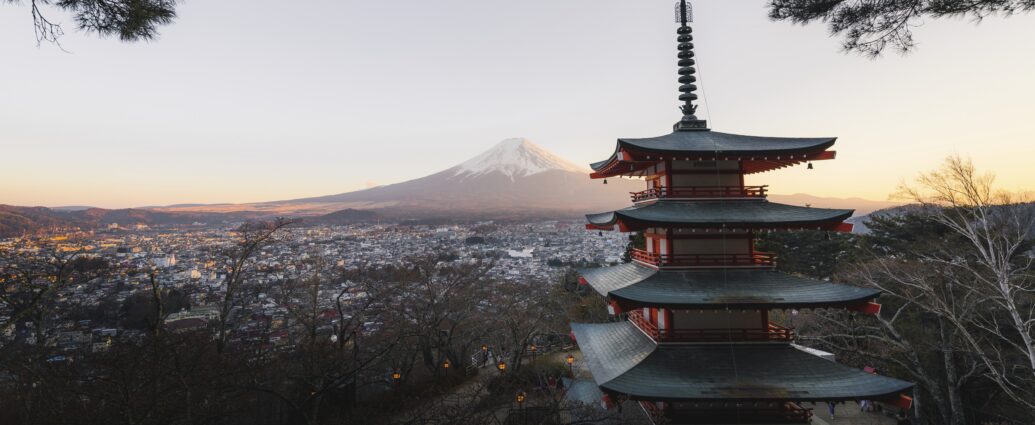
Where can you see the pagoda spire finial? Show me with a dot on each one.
(687, 72)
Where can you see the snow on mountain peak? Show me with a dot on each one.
(515, 158)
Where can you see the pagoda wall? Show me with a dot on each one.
(711, 246)
(706, 180)
(666, 242)
(718, 319)
(683, 173)
(682, 165)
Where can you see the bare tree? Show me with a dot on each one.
(445, 305)
(28, 284)
(913, 293)
(996, 268)
(251, 238)
(522, 311)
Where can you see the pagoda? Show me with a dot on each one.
(691, 339)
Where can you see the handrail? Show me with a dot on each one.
(701, 411)
(701, 192)
(764, 259)
(645, 325)
(774, 332)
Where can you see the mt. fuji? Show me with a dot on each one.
(514, 178)
(515, 158)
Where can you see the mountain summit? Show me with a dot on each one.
(515, 158)
(514, 178)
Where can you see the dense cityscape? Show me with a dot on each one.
(188, 259)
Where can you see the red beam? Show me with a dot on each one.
(903, 401)
(825, 155)
(868, 308)
(844, 227)
(622, 227)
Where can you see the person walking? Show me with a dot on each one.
(830, 408)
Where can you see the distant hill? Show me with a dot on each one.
(71, 208)
(861, 221)
(19, 220)
(860, 205)
(346, 216)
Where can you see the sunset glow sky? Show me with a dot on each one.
(260, 100)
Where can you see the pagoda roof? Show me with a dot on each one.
(706, 142)
(720, 288)
(763, 153)
(623, 360)
(717, 214)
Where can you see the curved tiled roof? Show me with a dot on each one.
(612, 348)
(714, 214)
(749, 372)
(717, 288)
(715, 143)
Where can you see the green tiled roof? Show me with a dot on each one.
(717, 288)
(693, 143)
(713, 214)
(624, 364)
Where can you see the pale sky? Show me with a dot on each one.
(259, 100)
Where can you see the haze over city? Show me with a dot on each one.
(329, 97)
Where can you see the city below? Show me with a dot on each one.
(191, 261)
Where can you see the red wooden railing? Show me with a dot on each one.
(762, 259)
(636, 317)
(774, 333)
(701, 192)
(722, 412)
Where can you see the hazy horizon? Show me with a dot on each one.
(324, 98)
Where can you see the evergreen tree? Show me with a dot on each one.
(130, 20)
(870, 26)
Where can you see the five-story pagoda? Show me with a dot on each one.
(696, 344)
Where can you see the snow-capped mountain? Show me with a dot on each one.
(514, 177)
(515, 158)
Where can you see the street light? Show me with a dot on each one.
(521, 406)
(502, 366)
(571, 362)
(534, 349)
(445, 365)
(396, 376)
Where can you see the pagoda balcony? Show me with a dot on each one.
(757, 259)
(730, 412)
(774, 333)
(700, 192)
